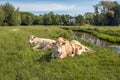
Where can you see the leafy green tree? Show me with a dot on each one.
(23, 19)
(9, 10)
(80, 20)
(65, 19)
(89, 17)
(110, 17)
(52, 17)
(96, 15)
(27, 18)
(47, 20)
(104, 6)
(12, 15)
(116, 9)
(38, 20)
(2, 15)
(57, 20)
(108, 13)
(15, 18)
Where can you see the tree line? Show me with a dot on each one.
(106, 13)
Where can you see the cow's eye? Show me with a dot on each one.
(80, 48)
(63, 43)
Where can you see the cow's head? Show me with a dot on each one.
(60, 48)
(31, 38)
(78, 49)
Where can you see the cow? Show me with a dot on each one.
(62, 49)
(79, 48)
(41, 43)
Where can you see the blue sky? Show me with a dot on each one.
(71, 7)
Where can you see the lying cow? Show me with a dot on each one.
(41, 43)
(62, 48)
(78, 47)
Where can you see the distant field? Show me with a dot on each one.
(19, 62)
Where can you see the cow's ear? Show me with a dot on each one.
(35, 36)
(80, 47)
(63, 43)
(53, 43)
(64, 39)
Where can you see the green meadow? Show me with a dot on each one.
(18, 61)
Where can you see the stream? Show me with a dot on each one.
(94, 40)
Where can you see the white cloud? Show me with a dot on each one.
(43, 6)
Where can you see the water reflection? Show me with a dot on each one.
(94, 40)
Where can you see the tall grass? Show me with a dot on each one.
(19, 62)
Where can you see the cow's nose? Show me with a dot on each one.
(58, 52)
(29, 42)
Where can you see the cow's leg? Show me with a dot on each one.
(53, 55)
(63, 56)
(47, 47)
(36, 47)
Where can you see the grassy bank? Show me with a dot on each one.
(19, 62)
(111, 34)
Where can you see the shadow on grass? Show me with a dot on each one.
(45, 58)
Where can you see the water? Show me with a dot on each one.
(94, 40)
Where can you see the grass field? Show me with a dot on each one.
(19, 62)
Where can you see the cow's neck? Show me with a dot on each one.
(73, 50)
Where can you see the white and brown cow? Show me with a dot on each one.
(41, 43)
(62, 48)
(78, 47)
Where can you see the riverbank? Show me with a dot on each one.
(96, 41)
(111, 34)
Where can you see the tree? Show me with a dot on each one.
(65, 19)
(2, 15)
(96, 16)
(12, 15)
(15, 18)
(104, 6)
(38, 20)
(9, 12)
(52, 16)
(110, 17)
(47, 20)
(106, 15)
(57, 20)
(27, 18)
(80, 20)
(116, 9)
(89, 17)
